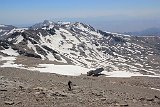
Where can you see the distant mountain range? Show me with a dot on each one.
(146, 32)
(81, 44)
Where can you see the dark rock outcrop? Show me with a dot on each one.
(95, 72)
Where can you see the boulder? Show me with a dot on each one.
(95, 72)
(9, 102)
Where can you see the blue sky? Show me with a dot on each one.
(111, 15)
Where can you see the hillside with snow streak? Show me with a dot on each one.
(82, 45)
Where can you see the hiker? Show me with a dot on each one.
(69, 85)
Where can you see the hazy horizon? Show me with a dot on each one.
(108, 15)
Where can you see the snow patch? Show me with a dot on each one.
(17, 30)
(121, 74)
(50, 56)
(19, 39)
(11, 64)
(126, 74)
(63, 23)
(7, 58)
(155, 89)
(10, 39)
(10, 51)
(71, 70)
(2, 25)
(81, 27)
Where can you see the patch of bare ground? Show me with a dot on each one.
(32, 62)
(22, 88)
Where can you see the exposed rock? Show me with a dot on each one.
(39, 88)
(103, 99)
(111, 101)
(149, 99)
(157, 97)
(57, 57)
(3, 89)
(59, 94)
(95, 72)
(122, 105)
(28, 54)
(21, 87)
(51, 31)
(49, 49)
(9, 102)
(4, 44)
(41, 51)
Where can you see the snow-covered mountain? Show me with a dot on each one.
(5, 29)
(81, 44)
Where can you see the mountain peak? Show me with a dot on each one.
(82, 26)
(47, 22)
(80, 44)
(2, 25)
(42, 24)
(63, 23)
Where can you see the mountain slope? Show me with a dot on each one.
(5, 30)
(80, 44)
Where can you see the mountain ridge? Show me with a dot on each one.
(80, 44)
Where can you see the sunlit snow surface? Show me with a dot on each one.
(74, 70)
(121, 74)
(71, 70)
(10, 51)
(61, 69)
(9, 62)
(9, 58)
(2, 25)
(155, 89)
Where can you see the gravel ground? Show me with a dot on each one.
(23, 88)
